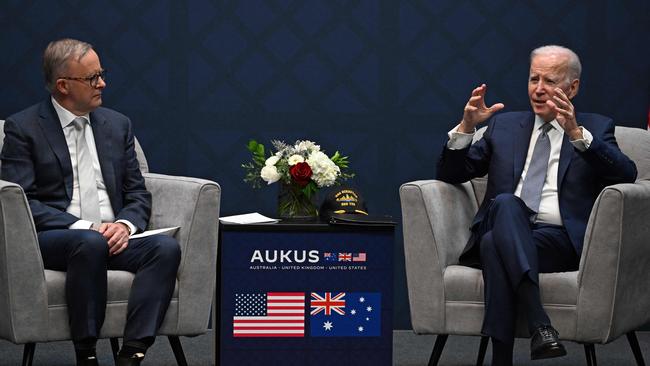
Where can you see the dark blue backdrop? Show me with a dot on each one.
(380, 80)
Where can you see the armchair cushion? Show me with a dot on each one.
(119, 287)
(466, 284)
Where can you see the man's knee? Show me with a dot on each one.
(506, 199)
(167, 250)
(90, 245)
(507, 206)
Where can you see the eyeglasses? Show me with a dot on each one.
(93, 80)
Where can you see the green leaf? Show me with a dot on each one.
(252, 146)
(310, 189)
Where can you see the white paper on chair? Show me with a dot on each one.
(250, 218)
(166, 231)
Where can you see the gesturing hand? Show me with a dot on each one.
(566, 116)
(476, 111)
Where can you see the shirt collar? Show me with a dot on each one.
(556, 125)
(65, 116)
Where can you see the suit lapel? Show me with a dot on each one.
(566, 154)
(54, 134)
(102, 134)
(521, 141)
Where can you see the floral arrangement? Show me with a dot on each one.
(302, 168)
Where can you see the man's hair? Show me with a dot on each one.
(574, 66)
(56, 56)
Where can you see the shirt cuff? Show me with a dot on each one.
(81, 224)
(132, 228)
(459, 140)
(583, 143)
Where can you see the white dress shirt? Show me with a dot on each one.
(549, 207)
(66, 118)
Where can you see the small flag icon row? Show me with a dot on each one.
(344, 257)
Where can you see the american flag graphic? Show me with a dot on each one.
(272, 314)
(359, 257)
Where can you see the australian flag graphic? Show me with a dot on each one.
(345, 314)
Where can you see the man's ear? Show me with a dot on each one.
(573, 88)
(62, 86)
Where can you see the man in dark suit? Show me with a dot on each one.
(545, 169)
(76, 163)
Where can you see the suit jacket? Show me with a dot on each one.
(501, 154)
(35, 156)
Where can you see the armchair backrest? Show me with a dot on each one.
(142, 160)
(634, 142)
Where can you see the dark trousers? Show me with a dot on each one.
(513, 249)
(83, 254)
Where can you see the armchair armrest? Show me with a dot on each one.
(192, 204)
(613, 275)
(23, 291)
(436, 217)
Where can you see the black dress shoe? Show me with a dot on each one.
(134, 360)
(87, 361)
(545, 343)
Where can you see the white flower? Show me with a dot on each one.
(324, 171)
(306, 146)
(271, 161)
(270, 174)
(295, 159)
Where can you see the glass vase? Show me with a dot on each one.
(294, 204)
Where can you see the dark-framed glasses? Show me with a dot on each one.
(93, 80)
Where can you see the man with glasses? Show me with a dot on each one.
(76, 162)
(545, 168)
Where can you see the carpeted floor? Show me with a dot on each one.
(409, 350)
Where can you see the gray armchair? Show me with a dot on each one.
(32, 299)
(607, 297)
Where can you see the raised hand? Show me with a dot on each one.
(566, 117)
(476, 111)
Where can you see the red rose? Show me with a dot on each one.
(301, 173)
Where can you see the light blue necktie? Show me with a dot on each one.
(531, 191)
(88, 194)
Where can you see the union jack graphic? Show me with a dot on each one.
(345, 257)
(327, 303)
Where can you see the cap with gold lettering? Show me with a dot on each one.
(343, 200)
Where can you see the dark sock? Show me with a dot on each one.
(130, 348)
(528, 295)
(502, 352)
(87, 343)
(83, 354)
(85, 348)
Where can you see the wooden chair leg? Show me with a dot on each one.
(441, 339)
(28, 354)
(636, 350)
(178, 350)
(115, 347)
(590, 354)
(481, 350)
